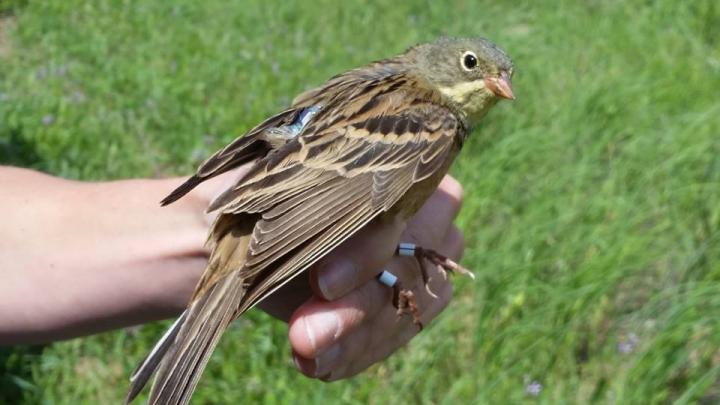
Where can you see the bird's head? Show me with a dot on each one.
(472, 73)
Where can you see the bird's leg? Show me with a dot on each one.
(443, 262)
(403, 299)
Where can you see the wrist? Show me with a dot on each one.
(95, 256)
(160, 248)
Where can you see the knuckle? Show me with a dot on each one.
(454, 189)
(367, 301)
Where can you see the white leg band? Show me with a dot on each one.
(387, 278)
(406, 249)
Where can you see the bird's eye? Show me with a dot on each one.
(469, 61)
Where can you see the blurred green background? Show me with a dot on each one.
(592, 202)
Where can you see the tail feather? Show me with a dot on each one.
(182, 366)
(181, 355)
(146, 369)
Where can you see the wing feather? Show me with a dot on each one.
(381, 190)
(242, 150)
(309, 216)
(303, 222)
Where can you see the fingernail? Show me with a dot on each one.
(337, 278)
(326, 323)
(326, 361)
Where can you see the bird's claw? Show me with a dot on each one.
(443, 262)
(404, 301)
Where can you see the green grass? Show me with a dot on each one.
(592, 209)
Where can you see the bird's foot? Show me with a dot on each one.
(445, 264)
(404, 301)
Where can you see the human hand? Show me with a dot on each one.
(350, 323)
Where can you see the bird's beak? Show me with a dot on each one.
(500, 85)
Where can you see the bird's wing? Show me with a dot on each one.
(319, 190)
(251, 146)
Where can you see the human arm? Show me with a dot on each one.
(80, 258)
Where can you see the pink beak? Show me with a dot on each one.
(500, 85)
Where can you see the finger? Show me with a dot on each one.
(360, 351)
(331, 335)
(454, 244)
(288, 298)
(318, 324)
(450, 186)
(430, 225)
(356, 261)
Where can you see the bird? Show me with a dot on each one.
(370, 144)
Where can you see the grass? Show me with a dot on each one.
(592, 209)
